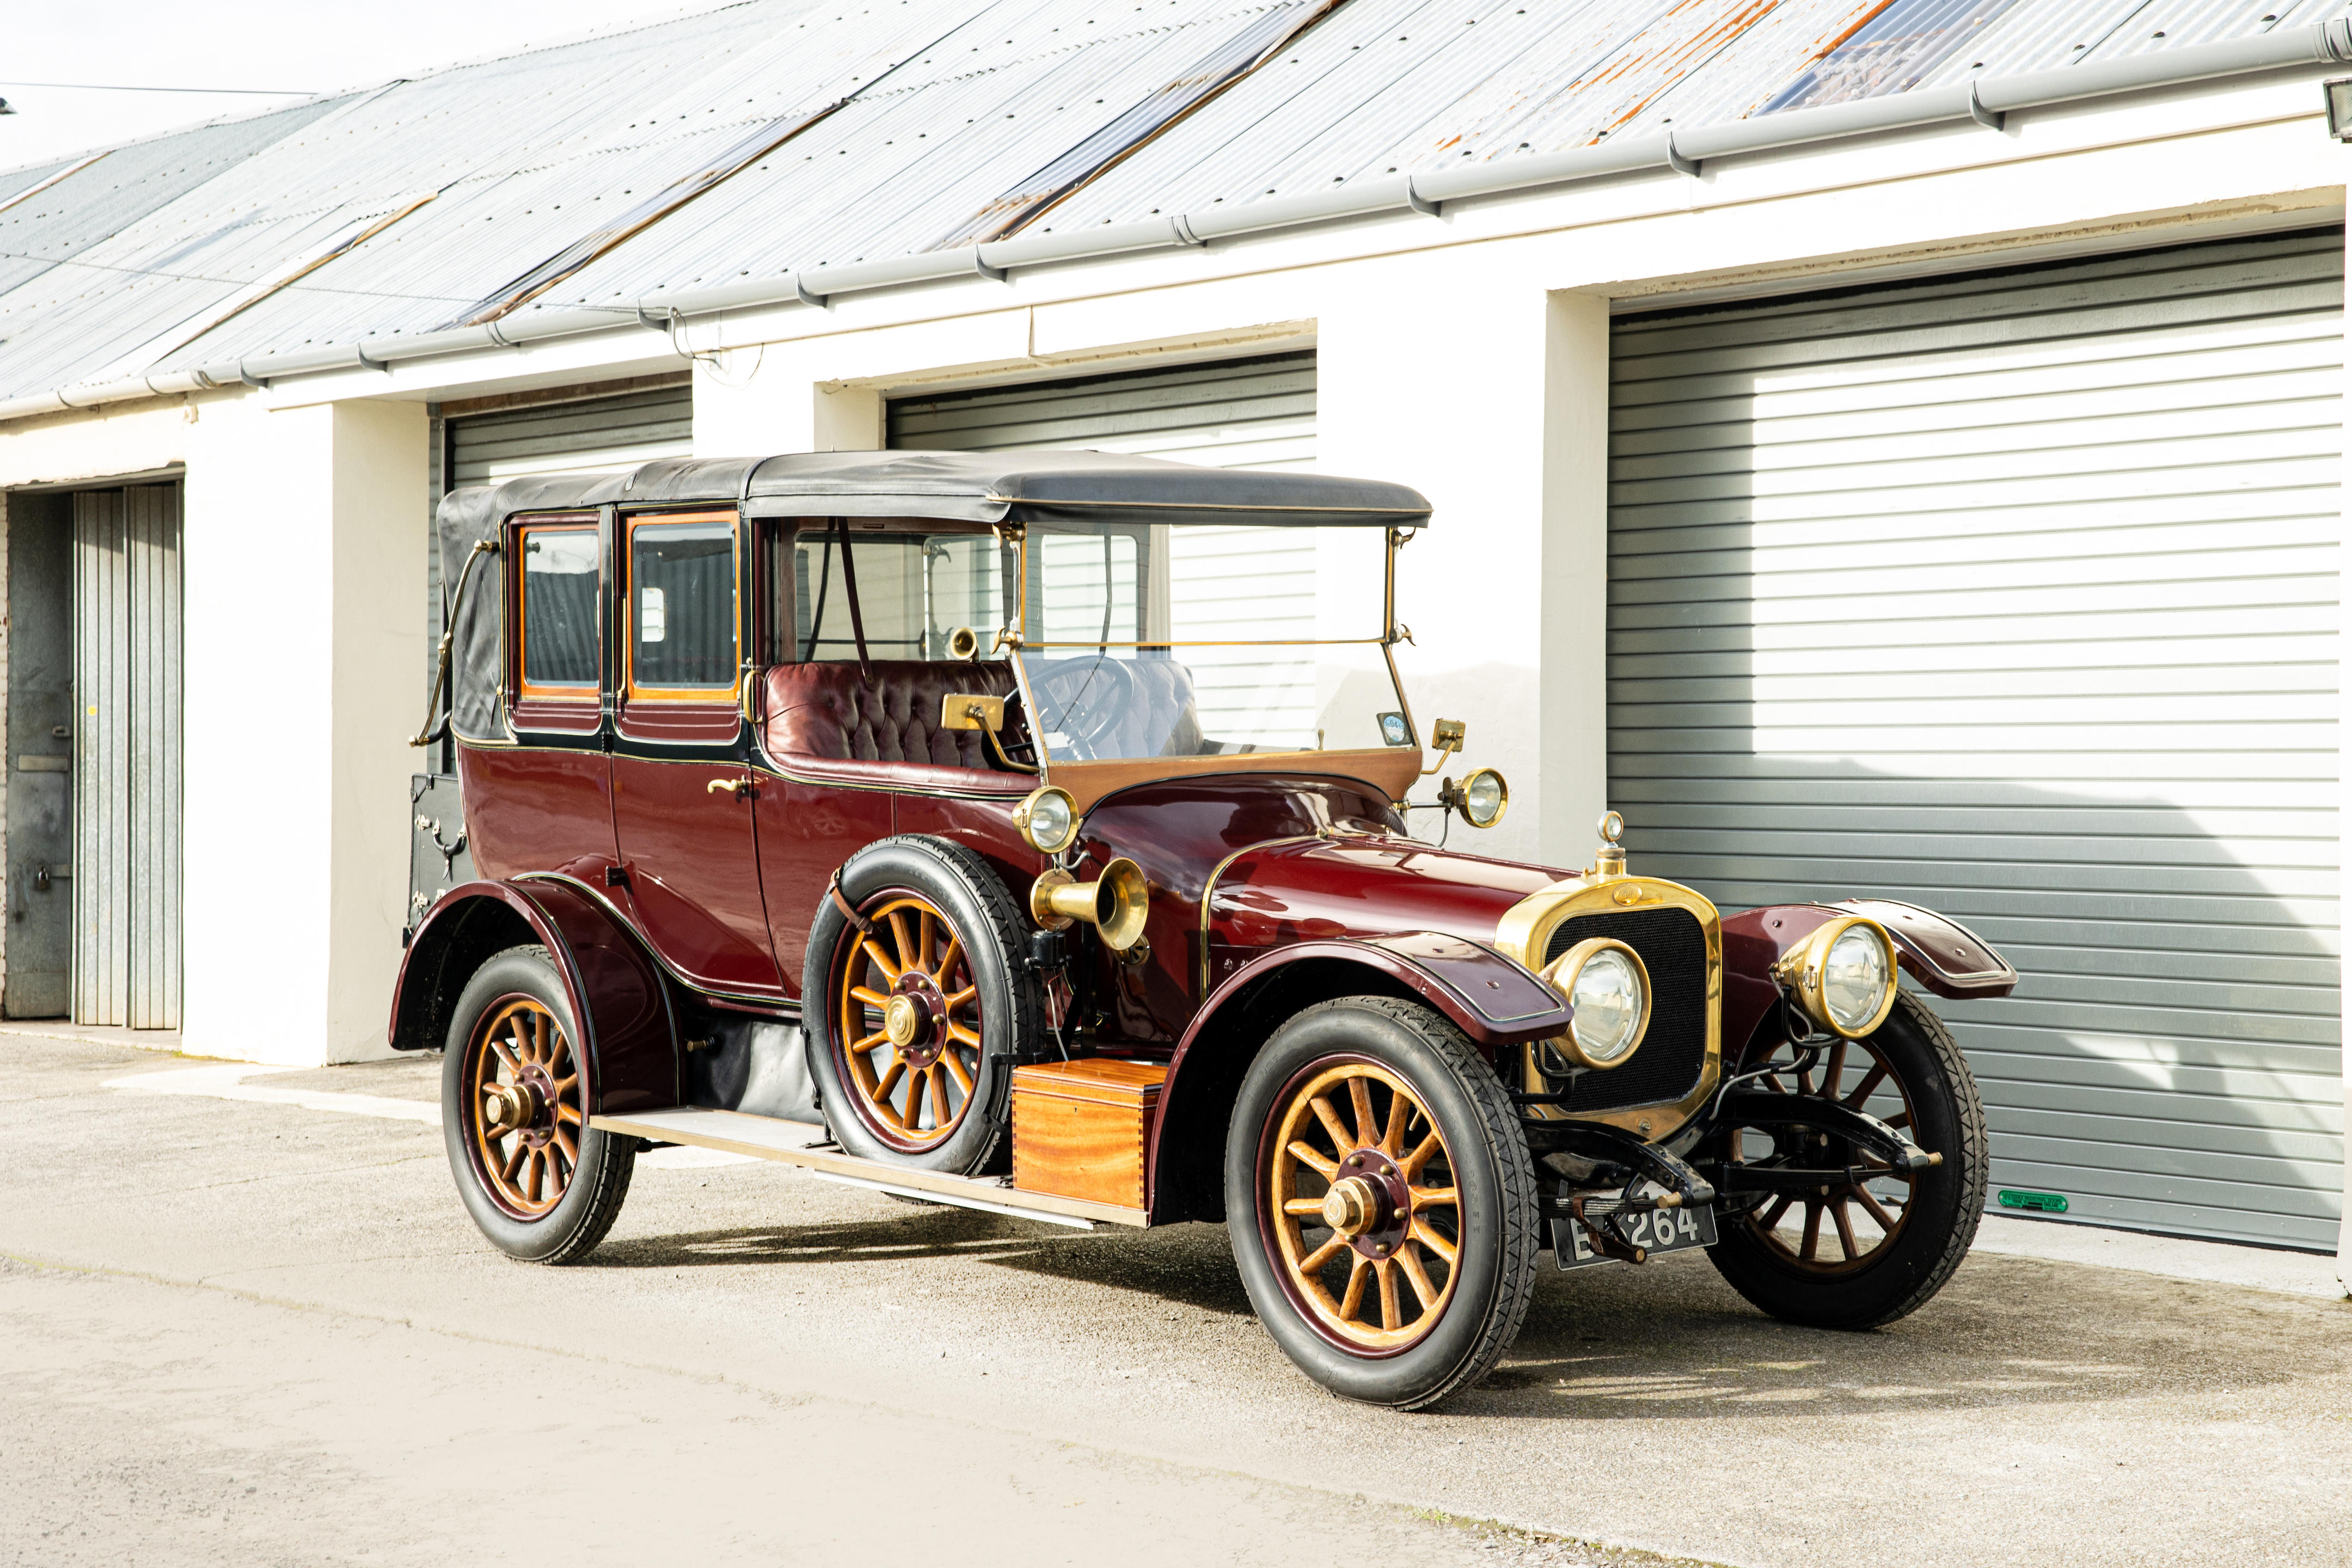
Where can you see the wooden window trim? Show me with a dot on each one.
(590, 695)
(724, 696)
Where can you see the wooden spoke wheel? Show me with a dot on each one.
(1839, 1228)
(907, 1011)
(1366, 1211)
(522, 1106)
(1871, 1243)
(1380, 1201)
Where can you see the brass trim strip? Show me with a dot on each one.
(1209, 891)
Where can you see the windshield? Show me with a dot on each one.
(1134, 641)
(1141, 641)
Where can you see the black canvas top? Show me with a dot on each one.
(1043, 488)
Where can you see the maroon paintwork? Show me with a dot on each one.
(1941, 954)
(693, 864)
(629, 1035)
(1358, 887)
(534, 809)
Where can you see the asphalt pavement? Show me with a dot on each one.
(260, 1329)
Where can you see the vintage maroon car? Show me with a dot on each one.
(1029, 831)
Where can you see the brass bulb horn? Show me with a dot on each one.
(1114, 903)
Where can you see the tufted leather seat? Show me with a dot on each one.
(826, 709)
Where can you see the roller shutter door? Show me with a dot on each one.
(2015, 595)
(1232, 413)
(594, 435)
(127, 860)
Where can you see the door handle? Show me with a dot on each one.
(739, 788)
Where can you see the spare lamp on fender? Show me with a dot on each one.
(1842, 974)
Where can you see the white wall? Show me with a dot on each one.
(304, 566)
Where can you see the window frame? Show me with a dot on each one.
(567, 704)
(625, 558)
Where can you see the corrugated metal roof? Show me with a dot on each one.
(598, 172)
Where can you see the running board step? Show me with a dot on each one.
(794, 1143)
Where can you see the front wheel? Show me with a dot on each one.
(540, 1184)
(1383, 1202)
(1856, 1254)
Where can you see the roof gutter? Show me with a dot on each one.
(1985, 101)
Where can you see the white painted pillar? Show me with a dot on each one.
(303, 562)
(1492, 401)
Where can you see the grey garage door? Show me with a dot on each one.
(2015, 595)
(1257, 413)
(583, 435)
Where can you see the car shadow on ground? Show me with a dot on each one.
(1670, 1339)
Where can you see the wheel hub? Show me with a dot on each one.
(509, 1107)
(1373, 1199)
(913, 1019)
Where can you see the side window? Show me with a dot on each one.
(913, 591)
(558, 640)
(681, 612)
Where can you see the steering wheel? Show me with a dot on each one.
(1085, 699)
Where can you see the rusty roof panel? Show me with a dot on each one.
(1030, 83)
(1893, 51)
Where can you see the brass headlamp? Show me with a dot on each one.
(1842, 974)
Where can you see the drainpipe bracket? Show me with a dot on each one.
(1674, 158)
(979, 265)
(1990, 118)
(367, 364)
(800, 287)
(1419, 203)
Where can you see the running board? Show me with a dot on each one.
(794, 1144)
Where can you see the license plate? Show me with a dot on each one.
(1658, 1230)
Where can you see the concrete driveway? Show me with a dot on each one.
(262, 1332)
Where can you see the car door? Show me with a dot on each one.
(682, 794)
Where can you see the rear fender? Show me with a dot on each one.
(1490, 998)
(1938, 952)
(616, 991)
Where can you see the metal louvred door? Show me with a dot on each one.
(127, 860)
(1228, 414)
(2014, 594)
(590, 435)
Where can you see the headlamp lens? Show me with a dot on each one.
(1607, 996)
(1855, 978)
(1483, 794)
(1050, 821)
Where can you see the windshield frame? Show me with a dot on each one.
(1014, 640)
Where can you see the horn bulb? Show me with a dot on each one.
(1114, 904)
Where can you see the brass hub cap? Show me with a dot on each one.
(1848, 1225)
(1363, 1210)
(906, 1022)
(524, 1098)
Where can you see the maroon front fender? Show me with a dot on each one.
(1938, 952)
(1490, 998)
(616, 990)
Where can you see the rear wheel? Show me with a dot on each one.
(538, 1181)
(1856, 1254)
(1382, 1201)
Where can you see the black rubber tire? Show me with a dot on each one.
(600, 1183)
(1501, 1234)
(960, 885)
(1946, 1200)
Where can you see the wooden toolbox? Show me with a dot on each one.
(1079, 1128)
